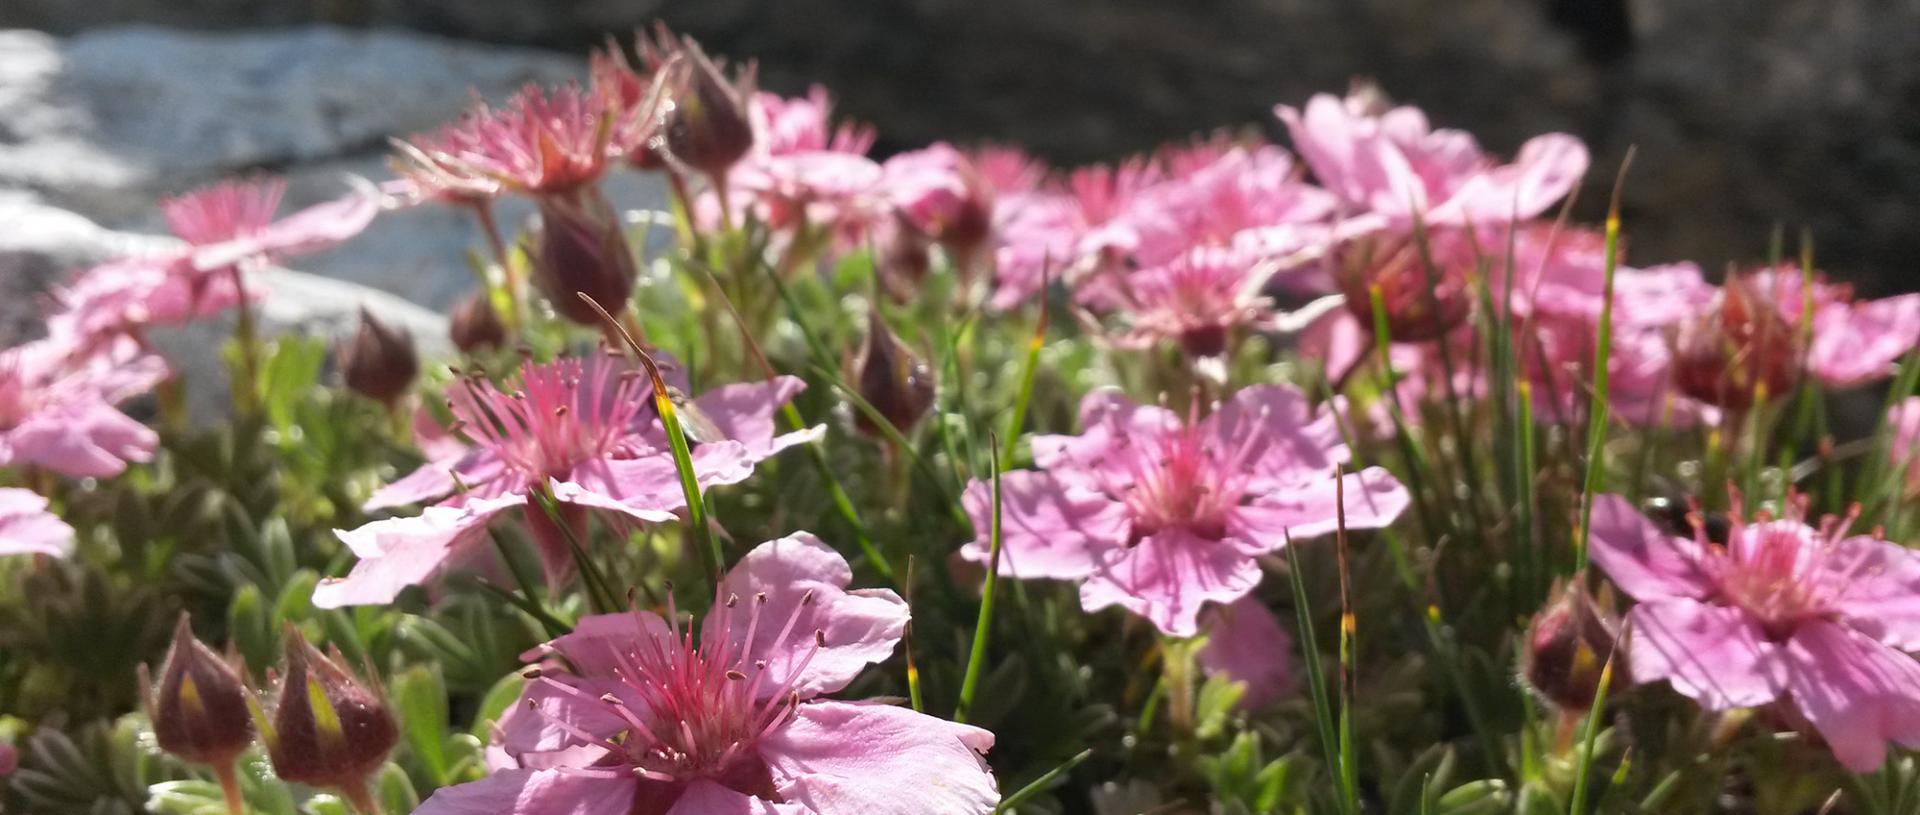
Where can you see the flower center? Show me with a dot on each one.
(1783, 572)
(697, 709)
(566, 413)
(1181, 479)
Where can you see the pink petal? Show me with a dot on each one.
(82, 439)
(708, 798)
(1047, 529)
(27, 528)
(1246, 644)
(804, 581)
(649, 488)
(1878, 586)
(1855, 343)
(309, 230)
(745, 413)
(535, 792)
(401, 552)
(1547, 168)
(1858, 693)
(837, 758)
(437, 479)
(1168, 576)
(1715, 655)
(1112, 428)
(539, 730)
(1374, 498)
(1281, 436)
(1640, 558)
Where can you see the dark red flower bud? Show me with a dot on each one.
(1422, 304)
(200, 708)
(903, 257)
(897, 382)
(1567, 647)
(1742, 352)
(475, 326)
(379, 362)
(328, 729)
(707, 127)
(581, 248)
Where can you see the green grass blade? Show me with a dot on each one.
(983, 627)
(1041, 783)
(1583, 771)
(1602, 358)
(1316, 678)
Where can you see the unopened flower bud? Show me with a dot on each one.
(903, 257)
(199, 709)
(1567, 647)
(328, 729)
(1422, 304)
(379, 362)
(475, 326)
(581, 248)
(897, 382)
(1741, 352)
(707, 127)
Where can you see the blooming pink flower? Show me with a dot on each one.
(1783, 612)
(57, 406)
(1391, 165)
(228, 229)
(783, 126)
(939, 192)
(539, 142)
(581, 428)
(1753, 338)
(27, 528)
(1086, 229)
(1161, 516)
(1197, 300)
(636, 715)
(1246, 644)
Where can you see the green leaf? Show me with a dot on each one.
(420, 697)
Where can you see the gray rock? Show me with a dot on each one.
(104, 123)
(41, 242)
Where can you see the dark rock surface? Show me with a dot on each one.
(1744, 115)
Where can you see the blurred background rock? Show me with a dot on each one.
(1744, 114)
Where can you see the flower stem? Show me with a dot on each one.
(230, 788)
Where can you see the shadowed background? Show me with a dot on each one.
(1744, 115)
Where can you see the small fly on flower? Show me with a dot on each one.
(695, 423)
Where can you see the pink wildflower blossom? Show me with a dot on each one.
(1783, 612)
(57, 406)
(583, 429)
(27, 528)
(1753, 339)
(1198, 300)
(539, 142)
(1392, 166)
(638, 715)
(229, 229)
(1161, 516)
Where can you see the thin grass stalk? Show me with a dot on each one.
(1583, 770)
(1598, 413)
(899, 439)
(677, 440)
(836, 492)
(1020, 402)
(1316, 678)
(1045, 780)
(983, 626)
(1409, 450)
(1349, 633)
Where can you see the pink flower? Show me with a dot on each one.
(27, 528)
(1198, 300)
(539, 142)
(1160, 516)
(229, 229)
(1753, 339)
(1391, 165)
(1783, 612)
(580, 428)
(939, 192)
(57, 407)
(1905, 421)
(1086, 229)
(1246, 644)
(636, 715)
(783, 126)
